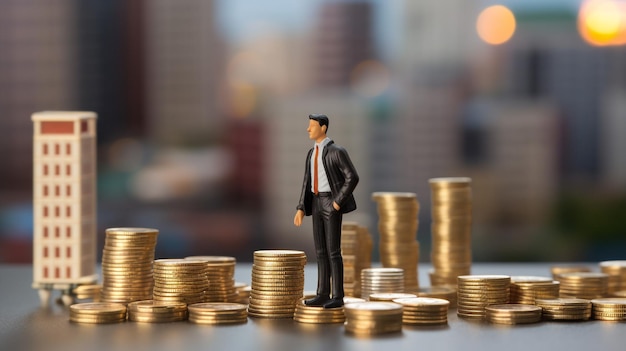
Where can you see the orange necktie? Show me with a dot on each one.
(315, 170)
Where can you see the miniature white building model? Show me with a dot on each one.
(64, 201)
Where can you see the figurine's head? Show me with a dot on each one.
(318, 126)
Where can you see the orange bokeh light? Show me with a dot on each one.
(603, 22)
(496, 25)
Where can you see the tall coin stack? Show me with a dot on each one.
(127, 264)
(277, 283)
(617, 275)
(584, 285)
(526, 289)
(451, 229)
(180, 280)
(381, 280)
(356, 250)
(221, 278)
(479, 291)
(397, 226)
(372, 318)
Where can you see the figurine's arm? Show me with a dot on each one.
(305, 193)
(351, 177)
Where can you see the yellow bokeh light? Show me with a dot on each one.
(496, 25)
(603, 22)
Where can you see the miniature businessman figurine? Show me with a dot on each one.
(329, 180)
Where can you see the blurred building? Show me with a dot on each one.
(343, 39)
(183, 67)
(37, 72)
(613, 141)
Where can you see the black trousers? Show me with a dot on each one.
(327, 237)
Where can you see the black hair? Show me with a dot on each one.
(321, 119)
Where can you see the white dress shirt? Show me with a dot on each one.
(322, 179)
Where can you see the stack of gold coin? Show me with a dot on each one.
(381, 280)
(127, 264)
(151, 312)
(243, 292)
(439, 292)
(609, 309)
(180, 280)
(389, 297)
(424, 310)
(476, 292)
(565, 309)
(398, 246)
(513, 314)
(621, 293)
(318, 315)
(584, 285)
(97, 312)
(558, 270)
(451, 229)
(221, 277)
(525, 289)
(218, 313)
(617, 274)
(88, 292)
(372, 318)
(350, 299)
(277, 283)
(356, 250)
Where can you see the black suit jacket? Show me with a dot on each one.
(342, 178)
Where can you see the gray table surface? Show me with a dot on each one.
(24, 325)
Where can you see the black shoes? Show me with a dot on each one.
(324, 301)
(334, 303)
(317, 301)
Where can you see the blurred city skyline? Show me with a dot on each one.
(203, 108)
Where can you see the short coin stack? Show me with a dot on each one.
(356, 250)
(277, 283)
(397, 225)
(97, 312)
(389, 297)
(609, 309)
(617, 275)
(513, 314)
(318, 315)
(243, 292)
(451, 229)
(438, 292)
(525, 289)
(88, 292)
(558, 270)
(424, 310)
(372, 318)
(218, 313)
(479, 291)
(221, 278)
(127, 264)
(381, 280)
(565, 309)
(584, 285)
(180, 280)
(150, 312)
